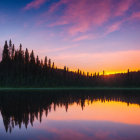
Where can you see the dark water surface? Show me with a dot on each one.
(70, 115)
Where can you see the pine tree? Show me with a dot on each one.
(13, 52)
(32, 57)
(45, 61)
(53, 65)
(10, 48)
(37, 61)
(49, 63)
(41, 63)
(78, 71)
(16, 56)
(5, 54)
(103, 72)
(26, 56)
(21, 55)
(65, 68)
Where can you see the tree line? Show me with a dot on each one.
(20, 68)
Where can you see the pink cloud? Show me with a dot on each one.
(82, 14)
(123, 6)
(34, 4)
(114, 27)
(84, 37)
(135, 15)
(55, 6)
(81, 17)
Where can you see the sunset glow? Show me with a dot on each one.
(99, 111)
(90, 35)
(70, 69)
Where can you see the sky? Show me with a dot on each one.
(92, 35)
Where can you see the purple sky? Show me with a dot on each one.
(93, 35)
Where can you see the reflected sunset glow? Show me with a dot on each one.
(99, 111)
(80, 115)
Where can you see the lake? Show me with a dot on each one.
(70, 115)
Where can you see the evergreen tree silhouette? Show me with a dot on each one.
(45, 61)
(5, 54)
(32, 58)
(13, 52)
(49, 63)
(53, 65)
(26, 56)
(20, 55)
(10, 48)
(37, 61)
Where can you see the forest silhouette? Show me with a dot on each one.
(19, 68)
(23, 108)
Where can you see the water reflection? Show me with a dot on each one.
(24, 108)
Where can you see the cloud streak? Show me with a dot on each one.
(79, 18)
(114, 27)
(123, 6)
(135, 15)
(81, 15)
(35, 4)
(85, 20)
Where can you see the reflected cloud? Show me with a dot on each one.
(89, 130)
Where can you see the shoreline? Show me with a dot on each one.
(70, 88)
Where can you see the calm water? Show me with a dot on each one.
(76, 115)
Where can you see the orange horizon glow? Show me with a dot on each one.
(109, 62)
(98, 111)
(99, 39)
(101, 72)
